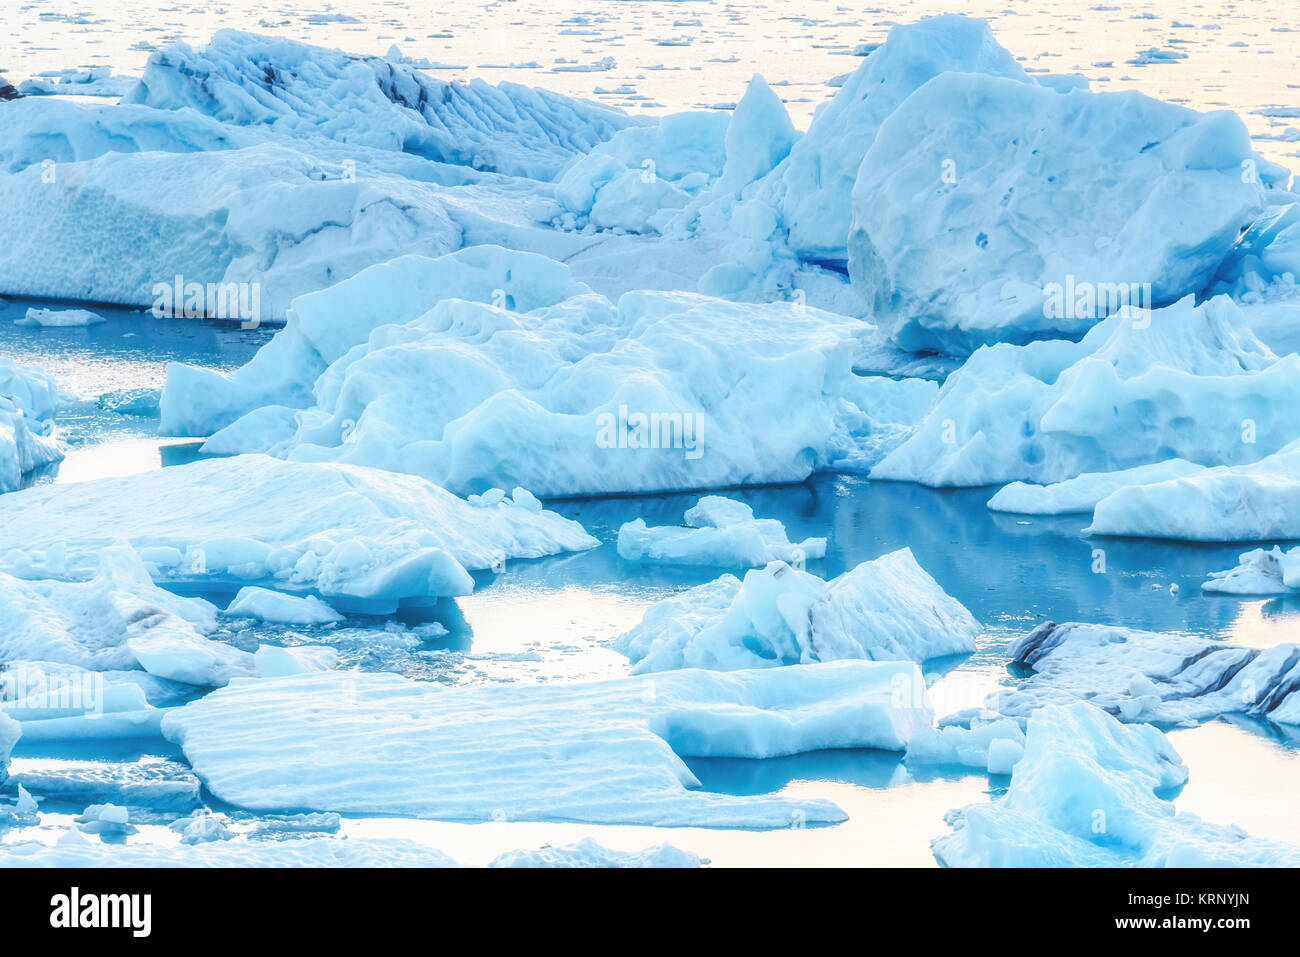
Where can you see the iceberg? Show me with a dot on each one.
(1187, 381)
(546, 386)
(980, 217)
(601, 752)
(357, 536)
(813, 187)
(1168, 679)
(28, 402)
(1255, 502)
(59, 318)
(1088, 793)
(10, 732)
(295, 89)
(888, 609)
(1258, 572)
(720, 532)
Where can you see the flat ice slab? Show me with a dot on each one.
(719, 532)
(344, 531)
(603, 752)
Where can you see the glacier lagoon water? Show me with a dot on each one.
(551, 619)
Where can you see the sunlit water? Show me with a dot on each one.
(552, 619)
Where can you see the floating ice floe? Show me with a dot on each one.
(268, 605)
(887, 609)
(1023, 238)
(293, 88)
(1255, 502)
(1187, 381)
(354, 535)
(1087, 793)
(1083, 492)
(551, 389)
(8, 91)
(59, 318)
(1259, 572)
(29, 400)
(719, 532)
(1169, 679)
(602, 752)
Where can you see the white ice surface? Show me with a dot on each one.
(602, 752)
(346, 532)
(719, 532)
(268, 605)
(1260, 571)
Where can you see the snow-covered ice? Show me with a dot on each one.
(354, 535)
(719, 532)
(1089, 792)
(888, 609)
(603, 752)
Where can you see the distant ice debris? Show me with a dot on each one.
(354, 535)
(887, 609)
(601, 752)
(59, 318)
(1087, 793)
(1259, 572)
(1169, 679)
(83, 81)
(719, 532)
(273, 606)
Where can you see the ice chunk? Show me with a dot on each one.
(1259, 572)
(274, 606)
(10, 732)
(588, 853)
(1186, 381)
(719, 532)
(1255, 502)
(201, 828)
(813, 187)
(297, 90)
(1147, 676)
(603, 752)
(1086, 794)
(79, 81)
(104, 819)
(119, 620)
(350, 534)
(28, 402)
(987, 740)
(968, 227)
(1083, 492)
(277, 662)
(59, 318)
(324, 326)
(574, 398)
(888, 609)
